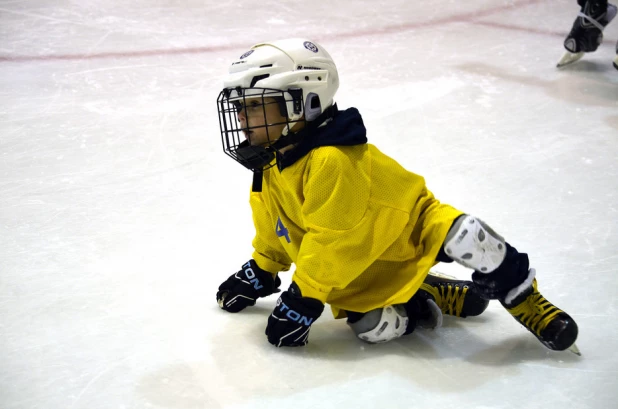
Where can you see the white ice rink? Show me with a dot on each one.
(120, 214)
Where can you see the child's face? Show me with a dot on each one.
(262, 122)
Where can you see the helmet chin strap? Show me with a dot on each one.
(289, 137)
(285, 130)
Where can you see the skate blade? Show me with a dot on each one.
(569, 58)
(573, 348)
(442, 275)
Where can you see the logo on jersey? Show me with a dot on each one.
(281, 230)
(245, 55)
(310, 46)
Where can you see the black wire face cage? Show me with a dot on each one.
(255, 155)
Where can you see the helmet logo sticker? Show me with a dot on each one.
(245, 55)
(310, 46)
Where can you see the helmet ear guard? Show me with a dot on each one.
(313, 108)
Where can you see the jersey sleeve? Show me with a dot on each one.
(268, 252)
(346, 230)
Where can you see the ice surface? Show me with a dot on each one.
(120, 215)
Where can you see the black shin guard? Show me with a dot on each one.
(512, 272)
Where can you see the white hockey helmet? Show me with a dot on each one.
(286, 65)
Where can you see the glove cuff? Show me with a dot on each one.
(262, 281)
(310, 289)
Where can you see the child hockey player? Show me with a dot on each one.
(362, 231)
(587, 32)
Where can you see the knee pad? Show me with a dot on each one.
(381, 325)
(474, 244)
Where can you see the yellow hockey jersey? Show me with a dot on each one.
(362, 231)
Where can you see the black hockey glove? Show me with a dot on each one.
(290, 321)
(241, 289)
